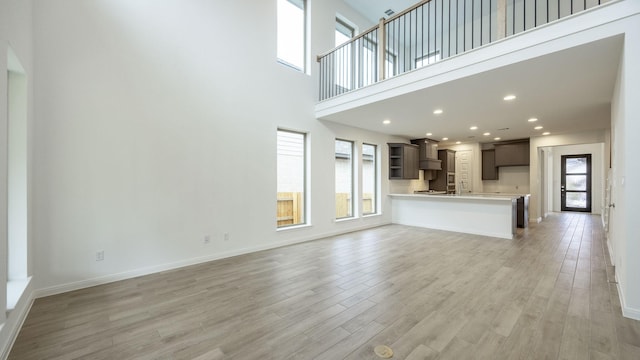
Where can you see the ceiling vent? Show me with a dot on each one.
(389, 12)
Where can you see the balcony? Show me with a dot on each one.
(432, 31)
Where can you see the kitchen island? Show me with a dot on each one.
(480, 214)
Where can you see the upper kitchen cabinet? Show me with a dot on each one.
(512, 153)
(428, 154)
(403, 161)
(489, 169)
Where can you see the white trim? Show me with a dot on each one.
(101, 280)
(13, 324)
(627, 312)
(611, 257)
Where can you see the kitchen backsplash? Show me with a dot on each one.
(408, 186)
(511, 179)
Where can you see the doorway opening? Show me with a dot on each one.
(575, 188)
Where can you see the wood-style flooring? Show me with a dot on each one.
(427, 294)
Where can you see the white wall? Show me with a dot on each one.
(157, 126)
(15, 34)
(624, 238)
(597, 173)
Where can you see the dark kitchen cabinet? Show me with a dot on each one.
(403, 161)
(445, 181)
(489, 168)
(514, 153)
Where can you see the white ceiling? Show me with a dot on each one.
(568, 91)
(374, 9)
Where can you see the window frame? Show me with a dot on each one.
(305, 179)
(376, 180)
(301, 4)
(353, 180)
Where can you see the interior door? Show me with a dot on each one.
(463, 171)
(575, 188)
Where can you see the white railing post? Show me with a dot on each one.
(382, 45)
(501, 18)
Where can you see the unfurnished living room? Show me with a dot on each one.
(304, 179)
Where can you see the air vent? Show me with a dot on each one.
(389, 12)
(503, 129)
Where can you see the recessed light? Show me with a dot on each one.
(546, 133)
(458, 142)
(473, 128)
(429, 134)
(445, 139)
(496, 138)
(386, 122)
(538, 127)
(533, 120)
(437, 111)
(486, 134)
(509, 97)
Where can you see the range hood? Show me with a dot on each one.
(430, 164)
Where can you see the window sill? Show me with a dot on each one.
(347, 219)
(293, 227)
(371, 215)
(15, 289)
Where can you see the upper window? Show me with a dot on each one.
(369, 179)
(344, 179)
(292, 33)
(344, 32)
(291, 169)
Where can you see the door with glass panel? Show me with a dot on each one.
(575, 188)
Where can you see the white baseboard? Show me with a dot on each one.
(627, 312)
(10, 329)
(77, 285)
(611, 257)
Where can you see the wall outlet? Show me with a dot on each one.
(207, 239)
(100, 255)
(226, 236)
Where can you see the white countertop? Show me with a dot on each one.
(467, 196)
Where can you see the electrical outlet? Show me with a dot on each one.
(100, 255)
(226, 236)
(207, 239)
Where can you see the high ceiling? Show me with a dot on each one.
(374, 9)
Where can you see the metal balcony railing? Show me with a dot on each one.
(430, 31)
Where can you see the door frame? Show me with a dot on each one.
(563, 191)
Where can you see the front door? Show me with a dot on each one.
(575, 188)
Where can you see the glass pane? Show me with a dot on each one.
(291, 178)
(368, 179)
(577, 182)
(291, 32)
(576, 200)
(576, 165)
(344, 179)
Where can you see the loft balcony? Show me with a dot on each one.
(439, 50)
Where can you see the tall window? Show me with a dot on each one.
(344, 32)
(292, 33)
(291, 168)
(344, 61)
(369, 179)
(344, 179)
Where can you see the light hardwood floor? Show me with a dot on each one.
(426, 294)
